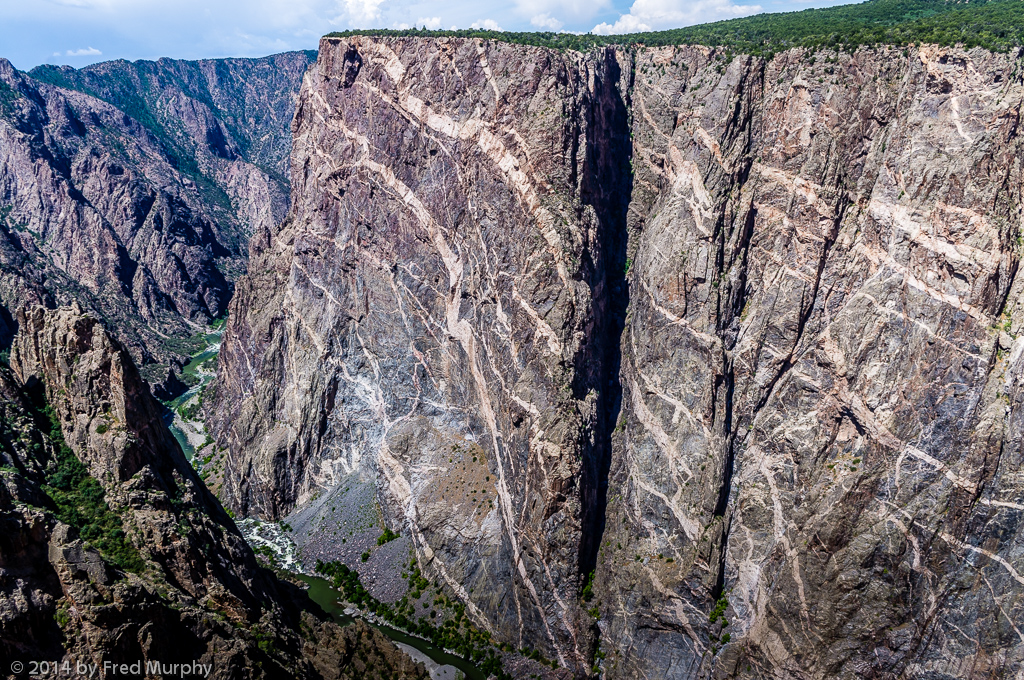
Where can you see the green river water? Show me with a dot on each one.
(321, 592)
(192, 368)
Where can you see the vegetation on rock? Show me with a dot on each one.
(81, 503)
(993, 24)
(456, 633)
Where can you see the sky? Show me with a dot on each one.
(81, 32)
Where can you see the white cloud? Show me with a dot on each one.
(430, 23)
(362, 12)
(553, 15)
(653, 15)
(85, 52)
(627, 23)
(546, 21)
(487, 25)
(191, 29)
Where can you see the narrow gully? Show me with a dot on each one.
(607, 186)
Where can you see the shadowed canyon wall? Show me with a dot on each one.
(112, 551)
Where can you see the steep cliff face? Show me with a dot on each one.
(140, 210)
(820, 420)
(444, 302)
(112, 549)
(736, 335)
(225, 123)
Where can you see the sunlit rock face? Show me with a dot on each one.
(737, 337)
(439, 301)
(819, 405)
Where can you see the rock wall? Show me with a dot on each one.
(444, 303)
(197, 594)
(820, 415)
(226, 124)
(737, 337)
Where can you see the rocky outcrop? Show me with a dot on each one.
(140, 210)
(819, 419)
(736, 337)
(154, 571)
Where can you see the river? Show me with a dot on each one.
(321, 592)
(440, 664)
(191, 434)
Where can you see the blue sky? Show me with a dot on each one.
(80, 32)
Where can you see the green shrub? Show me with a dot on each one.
(81, 503)
(456, 633)
(190, 411)
(185, 346)
(588, 588)
(62, 617)
(719, 610)
(387, 536)
(267, 552)
(264, 641)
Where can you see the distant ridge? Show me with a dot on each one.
(132, 188)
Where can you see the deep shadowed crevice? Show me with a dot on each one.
(606, 186)
(739, 124)
(739, 299)
(729, 378)
(8, 329)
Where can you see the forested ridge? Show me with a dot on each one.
(996, 25)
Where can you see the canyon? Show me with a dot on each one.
(668, 361)
(127, 195)
(646, 361)
(113, 551)
(132, 189)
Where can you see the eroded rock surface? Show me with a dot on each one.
(444, 304)
(225, 123)
(196, 594)
(820, 420)
(738, 336)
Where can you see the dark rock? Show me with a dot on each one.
(132, 189)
